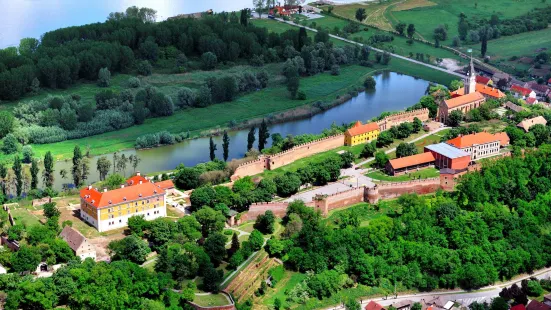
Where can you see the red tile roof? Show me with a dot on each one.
(136, 180)
(462, 100)
(359, 129)
(483, 89)
(518, 307)
(503, 138)
(167, 184)
(536, 305)
(472, 139)
(549, 81)
(521, 90)
(482, 79)
(373, 306)
(531, 100)
(120, 195)
(408, 161)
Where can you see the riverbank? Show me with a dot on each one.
(322, 87)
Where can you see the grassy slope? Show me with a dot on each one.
(423, 174)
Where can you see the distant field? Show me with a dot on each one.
(524, 44)
(446, 12)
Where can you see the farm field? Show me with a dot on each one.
(524, 44)
(426, 18)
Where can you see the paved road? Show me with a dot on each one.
(461, 296)
(356, 177)
(378, 50)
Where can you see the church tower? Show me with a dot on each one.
(470, 80)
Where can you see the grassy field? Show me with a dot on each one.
(289, 281)
(523, 44)
(446, 12)
(421, 174)
(211, 300)
(24, 217)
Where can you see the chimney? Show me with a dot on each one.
(89, 187)
(105, 189)
(138, 173)
(140, 181)
(122, 185)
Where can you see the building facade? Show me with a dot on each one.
(479, 145)
(448, 156)
(411, 163)
(107, 210)
(78, 243)
(359, 133)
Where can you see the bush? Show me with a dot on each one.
(335, 70)
(133, 82)
(27, 154)
(301, 95)
(209, 60)
(145, 68)
(10, 145)
(147, 141)
(104, 77)
(186, 98)
(166, 137)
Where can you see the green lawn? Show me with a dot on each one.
(421, 174)
(289, 281)
(24, 217)
(211, 300)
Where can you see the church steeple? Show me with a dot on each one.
(470, 80)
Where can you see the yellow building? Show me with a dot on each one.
(361, 133)
(108, 210)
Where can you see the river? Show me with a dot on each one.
(32, 18)
(393, 92)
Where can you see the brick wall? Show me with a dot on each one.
(393, 190)
(304, 150)
(340, 200)
(197, 307)
(403, 117)
(278, 208)
(249, 168)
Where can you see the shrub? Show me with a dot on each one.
(104, 77)
(27, 154)
(186, 98)
(209, 60)
(335, 70)
(147, 141)
(133, 82)
(11, 145)
(166, 137)
(145, 68)
(301, 95)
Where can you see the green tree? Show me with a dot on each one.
(352, 304)
(347, 159)
(369, 149)
(211, 221)
(293, 84)
(417, 125)
(400, 28)
(145, 68)
(3, 175)
(287, 184)
(10, 145)
(211, 279)
(455, 118)
(251, 138)
(6, 123)
(209, 60)
(463, 27)
(114, 181)
(405, 149)
(416, 306)
(256, 240)
(186, 178)
(27, 46)
(265, 223)
(104, 77)
(26, 259)
(48, 173)
(212, 149)
(263, 135)
(234, 244)
(361, 14)
(76, 170)
(215, 246)
(499, 303)
(381, 158)
(385, 138)
(103, 165)
(369, 83)
(137, 224)
(18, 172)
(34, 173)
(131, 248)
(411, 30)
(225, 145)
(455, 85)
(541, 133)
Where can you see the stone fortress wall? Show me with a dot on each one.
(403, 117)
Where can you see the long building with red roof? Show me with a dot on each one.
(359, 133)
(111, 209)
(481, 144)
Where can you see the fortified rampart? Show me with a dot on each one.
(275, 161)
(393, 190)
(403, 117)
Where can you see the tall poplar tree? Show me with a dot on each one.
(3, 175)
(226, 145)
(251, 138)
(212, 149)
(76, 171)
(34, 173)
(48, 173)
(17, 170)
(263, 135)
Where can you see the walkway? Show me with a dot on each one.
(355, 177)
(461, 296)
(377, 50)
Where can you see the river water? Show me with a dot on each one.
(393, 92)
